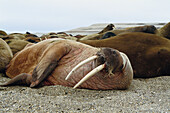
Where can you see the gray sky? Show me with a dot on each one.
(61, 15)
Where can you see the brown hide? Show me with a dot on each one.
(146, 29)
(49, 62)
(149, 54)
(164, 31)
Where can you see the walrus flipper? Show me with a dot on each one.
(48, 62)
(21, 79)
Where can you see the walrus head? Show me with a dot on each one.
(111, 58)
(107, 59)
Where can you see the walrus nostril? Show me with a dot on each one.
(101, 60)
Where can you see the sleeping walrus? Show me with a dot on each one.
(149, 54)
(50, 61)
(5, 55)
(145, 29)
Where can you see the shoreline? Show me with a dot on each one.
(93, 28)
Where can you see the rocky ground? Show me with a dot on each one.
(144, 95)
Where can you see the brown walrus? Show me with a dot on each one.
(149, 54)
(16, 44)
(33, 39)
(107, 28)
(164, 31)
(146, 29)
(2, 33)
(5, 55)
(50, 61)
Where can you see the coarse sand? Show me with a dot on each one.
(144, 95)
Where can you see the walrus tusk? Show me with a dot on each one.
(80, 64)
(40, 39)
(90, 74)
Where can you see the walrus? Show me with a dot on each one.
(3, 33)
(146, 29)
(99, 34)
(33, 39)
(50, 61)
(5, 55)
(164, 31)
(28, 34)
(149, 54)
(16, 45)
(107, 35)
(19, 36)
(107, 28)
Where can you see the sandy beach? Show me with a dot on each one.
(144, 95)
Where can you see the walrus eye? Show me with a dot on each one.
(114, 52)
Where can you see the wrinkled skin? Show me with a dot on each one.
(49, 62)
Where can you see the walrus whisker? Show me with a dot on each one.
(80, 64)
(90, 74)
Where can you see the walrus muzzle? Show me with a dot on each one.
(90, 74)
(106, 58)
